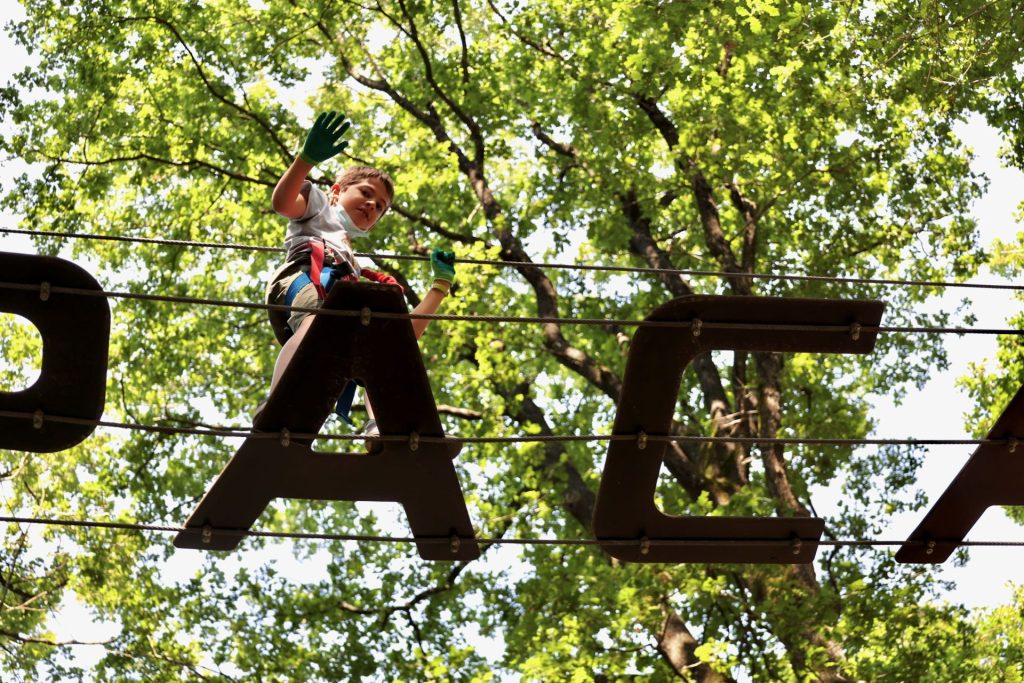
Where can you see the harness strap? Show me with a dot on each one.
(295, 287)
(316, 266)
(321, 278)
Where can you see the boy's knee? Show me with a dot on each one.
(306, 298)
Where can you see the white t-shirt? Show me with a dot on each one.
(319, 221)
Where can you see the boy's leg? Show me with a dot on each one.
(288, 350)
(370, 428)
(298, 321)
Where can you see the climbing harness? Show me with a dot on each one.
(323, 280)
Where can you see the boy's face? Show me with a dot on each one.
(364, 201)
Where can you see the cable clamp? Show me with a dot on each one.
(37, 419)
(641, 440)
(364, 315)
(286, 437)
(1011, 443)
(454, 543)
(207, 534)
(414, 441)
(645, 545)
(795, 544)
(44, 291)
(855, 331)
(696, 327)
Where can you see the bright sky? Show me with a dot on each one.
(936, 412)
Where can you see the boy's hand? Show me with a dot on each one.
(322, 141)
(443, 264)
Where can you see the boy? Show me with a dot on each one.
(318, 240)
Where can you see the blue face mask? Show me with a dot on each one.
(346, 222)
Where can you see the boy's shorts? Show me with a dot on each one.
(285, 323)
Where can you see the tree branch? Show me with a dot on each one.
(464, 60)
(746, 400)
(428, 116)
(748, 211)
(142, 156)
(9, 587)
(769, 365)
(714, 236)
(668, 130)
(547, 50)
(247, 113)
(539, 47)
(561, 148)
(578, 499)
(386, 613)
(677, 646)
(476, 135)
(13, 559)
(49, 641)
(434, 226)
(15, 471)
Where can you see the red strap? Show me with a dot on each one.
(383, 278)
(316, 265)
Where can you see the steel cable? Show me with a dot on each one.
(783, 277)
(528, 320)
(446, 540)
(39, 420)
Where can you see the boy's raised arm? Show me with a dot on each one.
(322, 142)
(287, 199)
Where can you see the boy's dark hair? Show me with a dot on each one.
(354, 174)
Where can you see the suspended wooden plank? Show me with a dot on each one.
(994, 475)
(384, 356)
(625, 508)
(73, 370)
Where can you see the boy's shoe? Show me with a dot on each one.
(369, 432)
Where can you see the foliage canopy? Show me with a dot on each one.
(741, 137)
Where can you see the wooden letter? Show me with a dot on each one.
(383, 355)
(76, 332)
(994, 475)
(625, 509)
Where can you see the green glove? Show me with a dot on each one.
(443, 264)
(322, 140)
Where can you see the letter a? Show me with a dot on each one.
(384, 356)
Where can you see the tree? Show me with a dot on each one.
(737, 137)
